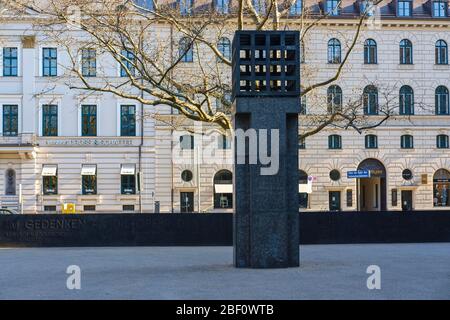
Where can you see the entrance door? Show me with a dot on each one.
(372, 194)
(334, 199)
(187, 201)
(407, 200)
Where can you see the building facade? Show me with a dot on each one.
(106, 154)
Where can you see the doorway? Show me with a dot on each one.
(372, 191)
(407, 200)
(186, 202)
(334, 200)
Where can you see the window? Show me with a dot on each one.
(146, 4)
(406, 100)
(49, 120)
(89, 62)
(186, 7)
(441, 52)
(441, 187)
(302, 105)
(302, 143)
(222, 6)
(370, 51)
(334, 99)
(259, 6)
(302, 189)
(224, 142)
(10, 120)
(335, 175)
(49, 62)
(334, 141)
(49, 208)
(407, 174)
(128, 207)
(185, 50)
(128, 60)
(50, 179)
(89, 120)
(89, 207)
(334, 51)
(332, 7)
(186, 176)
(128, 120)
(224, 47)
(407, 141)
(371, 141)
(406, 52)
(367, 8)
(404, 8)
(10, 62)
(370, 100)
(442, 141)
(441, 101)
(89, 179)
(128, 179)
(223, 190)
(296, 8)
(187, 142)
(439, 8)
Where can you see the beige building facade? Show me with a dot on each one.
(131, 163)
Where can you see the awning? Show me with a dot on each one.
(305, 188)
(223, 188)
(128, 169)
(49, 170)
(88, 170)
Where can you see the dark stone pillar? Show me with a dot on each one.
(266, 230)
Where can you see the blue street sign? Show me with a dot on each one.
(358, 174)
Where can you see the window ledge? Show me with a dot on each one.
(50, 197)
(89, 198)
(128, 197)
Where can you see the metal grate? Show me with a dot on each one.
(266, 63)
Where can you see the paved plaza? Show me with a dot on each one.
(408, 271)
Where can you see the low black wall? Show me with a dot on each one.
(215, 229)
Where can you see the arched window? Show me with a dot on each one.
(334, 51)
(441, 187)
(406, 52)
(224, 47)
(303, 189)
(406, 100)
(441, 100)
(370, 97)
(10, 182)
(334, 141)
(407, 141)
(223, 190)
(442, 141)
(441, 52)
(370, 51)
(334, 99)
(186, 51)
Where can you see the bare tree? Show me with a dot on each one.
(151, 45)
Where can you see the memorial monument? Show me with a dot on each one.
(266, 93)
